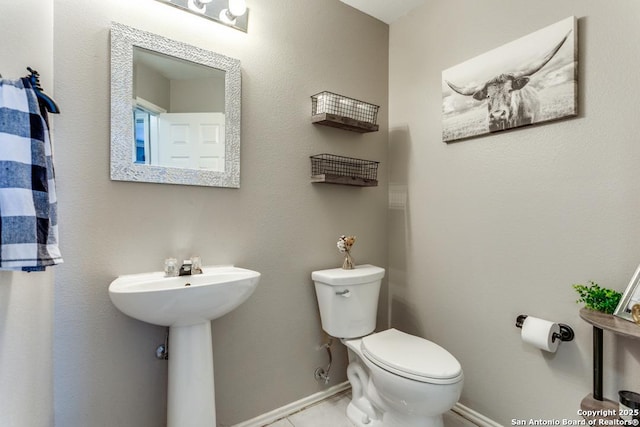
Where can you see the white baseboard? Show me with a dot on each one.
(473, 416)
(294, 407)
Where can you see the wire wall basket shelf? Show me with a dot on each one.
(333, 169)
(331, 109)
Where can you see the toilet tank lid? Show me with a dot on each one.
(340, 277)
(412, 357)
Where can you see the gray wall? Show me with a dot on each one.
(277, 223)
(26, 299)
(502, 225)
(151, 86)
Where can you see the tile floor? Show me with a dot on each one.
(332, 412)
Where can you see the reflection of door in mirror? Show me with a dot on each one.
(178, 113)
(192, 140)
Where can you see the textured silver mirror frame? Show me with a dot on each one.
(123, 40)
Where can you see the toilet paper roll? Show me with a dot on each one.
(539, 333)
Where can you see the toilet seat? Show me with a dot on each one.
(411, 357)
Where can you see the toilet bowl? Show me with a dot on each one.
(397, 379)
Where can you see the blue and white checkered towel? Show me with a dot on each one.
(28, 207)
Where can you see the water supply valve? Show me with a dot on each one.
(321, 373)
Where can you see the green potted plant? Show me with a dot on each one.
(596, 298)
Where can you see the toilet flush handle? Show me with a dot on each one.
(346, 293)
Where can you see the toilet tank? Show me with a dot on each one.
(348, 299)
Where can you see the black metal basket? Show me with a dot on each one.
(335, 169)
(339, 105)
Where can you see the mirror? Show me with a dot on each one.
(175, 111)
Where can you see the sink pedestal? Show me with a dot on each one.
(186, 304)
(191, 394)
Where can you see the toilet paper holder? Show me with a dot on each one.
(566, 333)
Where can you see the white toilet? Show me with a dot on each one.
(397, 379)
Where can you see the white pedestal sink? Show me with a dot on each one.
(186, 304)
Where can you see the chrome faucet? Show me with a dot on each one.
(186, 268)
(190, 266)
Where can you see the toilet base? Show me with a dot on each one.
(399, 420)
(423, 403)
(359, 418)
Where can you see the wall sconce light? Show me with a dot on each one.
(232, 13)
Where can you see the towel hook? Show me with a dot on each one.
(48, 103)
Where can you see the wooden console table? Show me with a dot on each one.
(600, 322)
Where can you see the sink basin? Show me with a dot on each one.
(183, 300)
(186, 304)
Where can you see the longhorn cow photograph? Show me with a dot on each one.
(530, 80)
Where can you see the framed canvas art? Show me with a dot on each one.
(530, 80)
